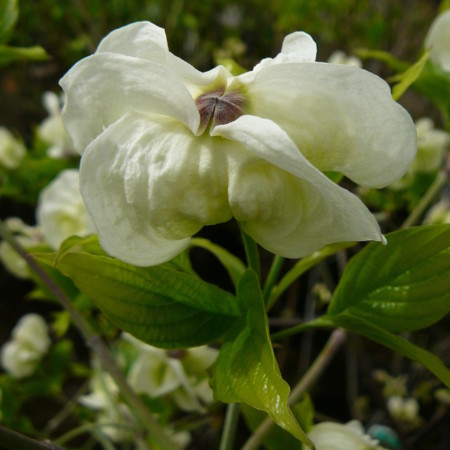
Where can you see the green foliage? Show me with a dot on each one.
(162, 306)
(394, 342)
(408, 77)
(8, 18)
(246, 370)
(402, 286)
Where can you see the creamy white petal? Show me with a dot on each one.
(297, 47)
(147, 40)
(308, 210)
(149, 185)
(140, 39)
(341, 118)
(102, 88)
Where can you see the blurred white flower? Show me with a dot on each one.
(11, 150)
(438, 39)
(113, 416)
(340, 57)
(52, 131)
(334, 436)
(182, 374)
(400, 408)
(61, 212)
(168, 149)
(431, 146)
(26, 236)
(438, 213)
(30, 342)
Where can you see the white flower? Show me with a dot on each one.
(61, 212)
(403, 408)
(438, 213)
(334, 436)
(340, 57)
(30, 342)
(156, 372)
(11, 150)
(431, 146)
(52, 131)
(168, 149)
(438, 39)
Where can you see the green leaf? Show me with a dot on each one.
(246, 370)
(234, 266)
(402, 286)
(159, 305)
(10, 54)
(407, 78)
(397, 343)
(383, 56)
(9, 13)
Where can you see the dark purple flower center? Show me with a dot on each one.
(220, 106)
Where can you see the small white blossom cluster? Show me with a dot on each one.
(29, 342)
(179, 376)
(340, 57)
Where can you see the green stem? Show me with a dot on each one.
(419, 210)
(272, 277)
(335, 341)
(251, 253)
(301, 267)
(230, 426)
(95, 342)
(320, 322)
(11, 440)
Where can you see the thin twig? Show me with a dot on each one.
(95, 342)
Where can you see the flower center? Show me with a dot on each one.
(219, 106)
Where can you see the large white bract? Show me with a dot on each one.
(167, 149)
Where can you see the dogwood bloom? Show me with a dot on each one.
(30, 342)
(437, 40)
(11, 150)
(334, 436)
(167, 149)
(61, 212)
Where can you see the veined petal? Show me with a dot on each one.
(101, 88)
(149, 185)
(147, 40)
(341, 118)
(315, 212)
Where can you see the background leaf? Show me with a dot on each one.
(8, 18)
(159, 305)
(408, 77)
(396, 343)
(10, 54)
(246, 370)
(402, 286)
